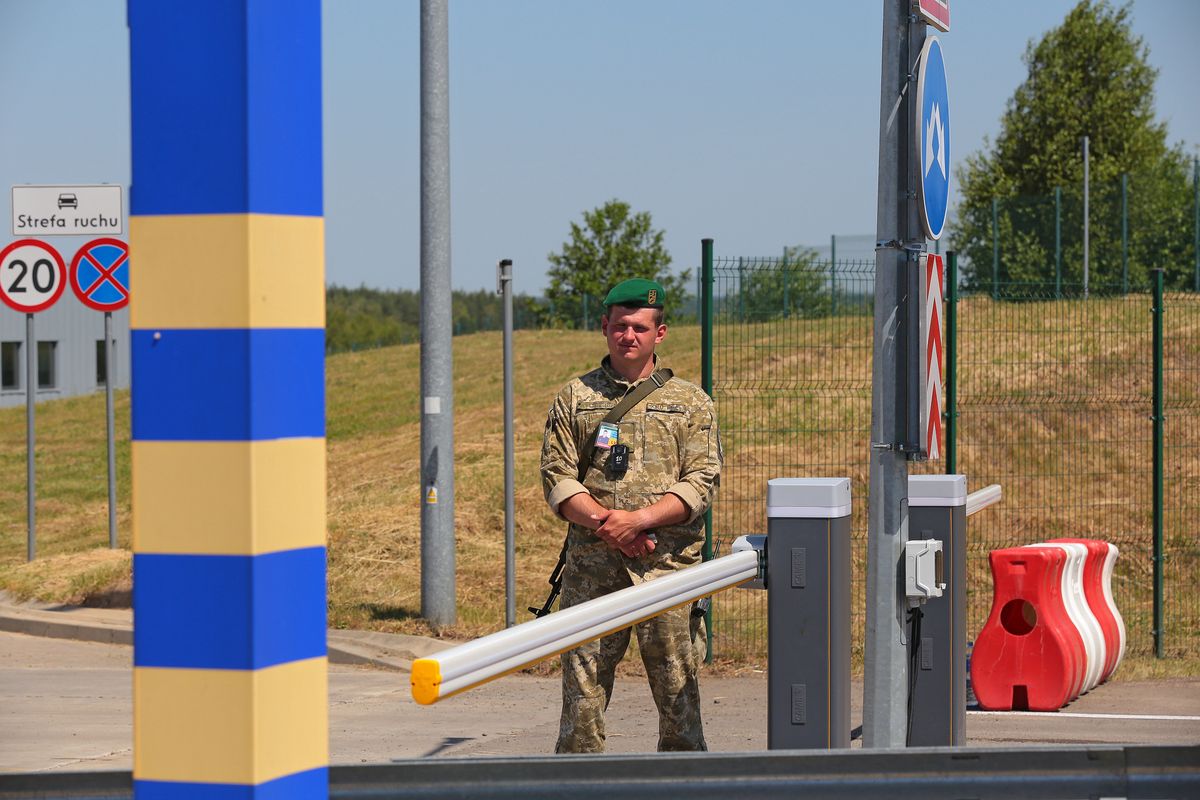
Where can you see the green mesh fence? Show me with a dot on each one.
(1054, 404)
(1136, 222)
(1181, 474)
(792, 383)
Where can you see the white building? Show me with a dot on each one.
(70, 346)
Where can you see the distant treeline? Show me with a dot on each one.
(363, 319)
(359, 319)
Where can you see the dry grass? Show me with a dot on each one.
(374, 494)
(1046, 366)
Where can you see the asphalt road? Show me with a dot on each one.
(67, 705)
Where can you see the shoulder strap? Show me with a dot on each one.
(657, 380)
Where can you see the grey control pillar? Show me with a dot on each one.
(937, 509)
(808, 613)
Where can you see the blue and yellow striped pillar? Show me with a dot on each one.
(227, 317)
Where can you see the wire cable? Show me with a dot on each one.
(914, 614)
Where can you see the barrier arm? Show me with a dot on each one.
(458, 669)
(981, 499)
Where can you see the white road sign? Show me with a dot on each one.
(93, 210)
(32, 276)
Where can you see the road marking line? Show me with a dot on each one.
(1060, 714)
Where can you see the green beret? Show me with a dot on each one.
(636, 293)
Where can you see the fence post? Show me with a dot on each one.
(706, 379)
(1157, 417)
(1087, 193)
(1057, 242)
(833, 274)
(995, 249)
(952, 363)
(1196, 210)
(741, 288)
(1124, 233)
(787, 311)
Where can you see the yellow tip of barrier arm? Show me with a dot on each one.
(426, 681)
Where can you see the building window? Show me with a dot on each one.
(10, 365)
(47, 367)
(101, 361)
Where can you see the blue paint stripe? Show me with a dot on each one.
(229, 384)
(311, 784)
(226, 107)
(228, 612)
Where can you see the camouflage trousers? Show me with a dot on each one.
(672, 646)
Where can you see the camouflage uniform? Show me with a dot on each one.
(674, 447)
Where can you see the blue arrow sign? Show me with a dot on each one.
(933, 138)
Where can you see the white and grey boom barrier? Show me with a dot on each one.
(464, 667)
(808, 613)
(937, 509)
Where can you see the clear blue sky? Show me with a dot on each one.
(755, 123)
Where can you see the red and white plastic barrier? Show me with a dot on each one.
(1054, 631)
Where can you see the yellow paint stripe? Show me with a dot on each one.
(228, 498)
(227, 271)
(230, 726)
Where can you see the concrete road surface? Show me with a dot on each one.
(66, 705)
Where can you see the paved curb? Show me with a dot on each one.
(390, 651)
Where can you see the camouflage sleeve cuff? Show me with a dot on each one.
(690, 497)
(568, 487)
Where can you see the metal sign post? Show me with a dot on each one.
(30, 494)
(504, 281)
(32, 277)
(895, 392)
(100, 279)
(110, 354)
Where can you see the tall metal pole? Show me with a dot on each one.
(504, 275)
(110, 352)
(1086, 192)
(437, 387)
(898, 241)
(30, 388)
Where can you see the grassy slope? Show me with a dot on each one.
(374, 495)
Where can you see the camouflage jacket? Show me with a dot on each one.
(674, 446)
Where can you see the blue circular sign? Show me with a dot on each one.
(100, 274)
(933, 138)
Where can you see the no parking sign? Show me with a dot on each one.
(100, 274)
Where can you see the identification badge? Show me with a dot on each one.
(607, 436)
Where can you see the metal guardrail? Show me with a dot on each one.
(1136, 773)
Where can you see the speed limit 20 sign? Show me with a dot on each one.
(32, 276)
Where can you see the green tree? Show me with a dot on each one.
(797, 286)
(1088, 77)
(612, 245)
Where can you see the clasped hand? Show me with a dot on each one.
(622, 530)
